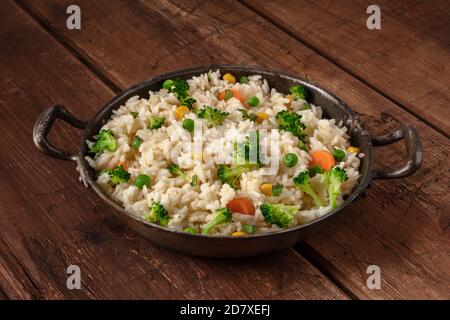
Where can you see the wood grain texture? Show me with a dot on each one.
(48, 220)
(408, 60)
(402, 225)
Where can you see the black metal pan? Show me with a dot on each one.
(226, 246)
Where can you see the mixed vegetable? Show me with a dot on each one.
(323, 162)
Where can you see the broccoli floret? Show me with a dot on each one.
(299, 92)
(176, 171)
(232, 174)
(290, 121)
(302, 182)
(333, 179)
(315, 170)
(190, 230)
(136, 142)
(213, 115)
(158, 214)
(248, 115)
(188, 102)
(222, 215)
(155, 122)
(302, 145)
(105, 141)
(134, 114)
(181, 90)
(118, 175)
(279, 214)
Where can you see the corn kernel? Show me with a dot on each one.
(266, 188)
(353, 149)
(238, 233)
(229, 77)
(180, 112)
(261, 116)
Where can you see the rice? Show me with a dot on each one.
(194, 206)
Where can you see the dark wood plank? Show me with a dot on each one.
(402, 60)
(402, 225)
(49, 221)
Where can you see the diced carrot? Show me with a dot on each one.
(221, 95)
(236, 94)
(242, 205)
(323, 159)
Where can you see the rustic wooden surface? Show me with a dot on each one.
(404, 61)
(402, 225)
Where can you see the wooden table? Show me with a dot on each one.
(399, 74)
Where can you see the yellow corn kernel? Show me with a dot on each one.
(266, 188)
(353, 149)
(261, 116)
(180, 112)
(238, 233)
(229, 77)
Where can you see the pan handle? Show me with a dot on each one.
(45, 123)
(413, 146)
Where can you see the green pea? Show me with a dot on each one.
(190, 230)
(290, 160)
(188, 124)
(136, 143)
(167, 84)
(249, 228)
(142, 180)
(253, 101)
(243, 80)
(338, 154)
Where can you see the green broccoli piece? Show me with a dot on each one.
(136, 142)
(302, 145)
(188, 102)
(158, 214)
(194, 180)
(333, 179)
(176, 171)
(190, 230)
(248, 115)
(302, 182)
(180, 89)
(290, 121)
(105, 141)
(232, 174)
(222, 215)
(118, 175)
(155, 122)
(315, 170)
(299, 92)
(279, 214)
(213, 115)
